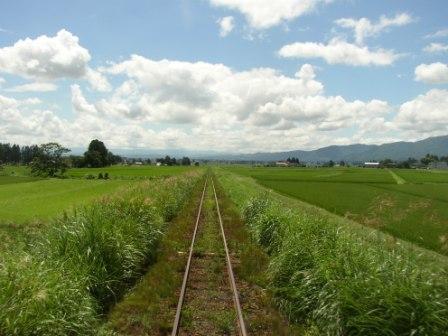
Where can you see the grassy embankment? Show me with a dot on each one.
(416, 210)
(340, 278)
(82, 262)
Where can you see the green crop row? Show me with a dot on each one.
(341, 279)
(86, 260)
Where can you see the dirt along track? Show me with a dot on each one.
(208, 300)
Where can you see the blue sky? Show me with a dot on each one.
(244, 94)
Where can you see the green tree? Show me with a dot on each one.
(15, 154)
(429, 158)
(185, 161)
(97, 154)
(388, 163)
(50, 160)
(28, 153)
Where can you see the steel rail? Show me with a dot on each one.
(177, 319)
(236, 299)
(187, 269)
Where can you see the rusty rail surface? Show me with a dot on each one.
(177, 319)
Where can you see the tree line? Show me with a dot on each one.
(15, 154)
(413, 162)
(52, 159)
(172, 161)
(97, 155)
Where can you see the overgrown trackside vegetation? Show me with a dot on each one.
(339, 278)
(86, 260)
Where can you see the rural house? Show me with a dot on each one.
(371, 164)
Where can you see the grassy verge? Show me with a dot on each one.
(340, 278)
(85, 261)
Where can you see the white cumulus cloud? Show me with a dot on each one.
(438, 34)
(425, 115)
(47, 58)
(262, 14)
(338, 51)
(80, 103)
(363, 27)
(434, 73)
(226, 25)
(202, 106)
(97, 80)
(33, 87)
(436, 47)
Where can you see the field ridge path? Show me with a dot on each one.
(397, 178)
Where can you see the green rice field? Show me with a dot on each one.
(40, 200)
(26, 198)
(125, 172)
(415, 210)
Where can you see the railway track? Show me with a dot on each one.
(191, 256)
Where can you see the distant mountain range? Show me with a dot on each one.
(349, 153)
(354, 153)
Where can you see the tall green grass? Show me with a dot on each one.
(86, 260)
(342, 279)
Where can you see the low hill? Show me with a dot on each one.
(356, 153)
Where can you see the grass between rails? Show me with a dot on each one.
(150, 307)
(416, 212)
(208, 308)
(339, 278)
(85, 261)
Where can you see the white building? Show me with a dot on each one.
(282, 164)
(371, 164)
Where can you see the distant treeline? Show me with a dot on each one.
(97, 155)
(425, 161)
(171, 161)
(14, 154)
